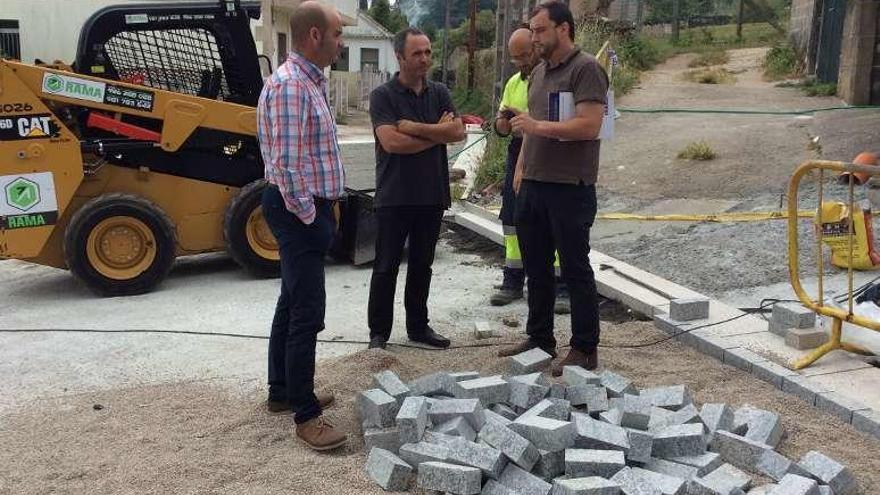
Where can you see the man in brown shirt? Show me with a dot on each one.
(555, 184)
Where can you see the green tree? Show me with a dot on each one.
(391, 18)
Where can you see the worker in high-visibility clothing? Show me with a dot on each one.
(515, 97)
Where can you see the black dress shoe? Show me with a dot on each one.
(377, 343)
(429, 337)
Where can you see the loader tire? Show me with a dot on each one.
(120, 245)
(248, 238)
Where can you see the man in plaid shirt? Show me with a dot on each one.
(297, 136)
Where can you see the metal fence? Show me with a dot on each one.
(10, 44)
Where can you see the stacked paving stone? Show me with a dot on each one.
(590, 434)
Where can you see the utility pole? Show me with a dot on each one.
(640, 12)
(501, 16)
(472, 46)
(739, 21)
(445, 60)
(675, 20)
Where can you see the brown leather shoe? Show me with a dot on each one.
(526, 345)
(325, 400)
(320, 435)
(577, 358)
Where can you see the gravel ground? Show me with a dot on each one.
(215, 437)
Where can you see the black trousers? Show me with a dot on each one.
(299, 313)
(421, 224)
(558, 217)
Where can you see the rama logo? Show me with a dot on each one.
(22, 194)
(54, 84)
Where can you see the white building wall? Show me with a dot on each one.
(387, 61)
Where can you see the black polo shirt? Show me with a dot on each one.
(420, 179)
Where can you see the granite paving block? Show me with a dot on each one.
(771, 372)
(728, 474)
(762, 490)
(493, 416)
(457, 427)
(668, 485)
(550, 464)
(559, 409)
(685, 415)
(470, 409)
(588, 462)
(839, 405)
(803, 387)
(867, 421)
(701, 486)
(557, 391)
(792, 315)
(530, 361)
(595, 434)
(489, 390)
(640, 445)
(717, 416)
(636, 412)
(526, 390)
(412, 418)
(617, 385)
(705, 463)
(659, 417)
(612, 416)
(632, 484)
(825, 490)
(592, 485)
(545, 433)
(575, 375)
(388, 471)
(679, 440)
(761, 426)
(792, 484)
(715, 346)
(673, 398)
(805, 338)
(417, 453)
(483, 330)
(689, 309)
(439, 438)
(493, 487)
(737, 450)
(503, 410)
(385, 438)
(435, 383)
(741, 358)
(460, 376)
(489, 460)
(522, 482)
(671, 468)
(829, 472)
(451, 478)
(594, 397)
(377, 408)
(389, 382)
(519, 450)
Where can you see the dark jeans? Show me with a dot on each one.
(395, 223)
(299, 314)
(558, 217)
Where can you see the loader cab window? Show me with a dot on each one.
(180, 60)
(10, 42)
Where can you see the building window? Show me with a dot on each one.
(282, 48)
(342, 63)
(10, 43)
(369, 59)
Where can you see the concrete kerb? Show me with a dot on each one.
(650, 295)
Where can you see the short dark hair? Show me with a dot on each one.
(558, 12)
(400, 38)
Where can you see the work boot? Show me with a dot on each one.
(429, 337)
(320, 435)
(575, 357)
(505, 296)
(325, 400)
(377, 343)
(526, 345)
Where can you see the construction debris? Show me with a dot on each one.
(463, 434)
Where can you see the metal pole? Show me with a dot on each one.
(675, 20)
(444, 62)
(472, 46)
(739, 21)
(640, 11)
(501, 17)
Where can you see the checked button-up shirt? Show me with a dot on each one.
(297, 135)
